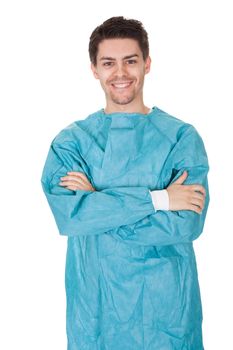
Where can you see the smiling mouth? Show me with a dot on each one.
(121, 85)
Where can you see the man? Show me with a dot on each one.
(115, 184)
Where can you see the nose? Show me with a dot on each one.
(120, 69)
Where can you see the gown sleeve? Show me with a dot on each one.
(88, 212)
(172, 227)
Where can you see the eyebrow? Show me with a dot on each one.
(113, 59)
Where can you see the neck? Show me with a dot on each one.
(128, 108)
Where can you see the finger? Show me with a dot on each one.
(71, 178)
(68, 183)
(198, 195)
(68, 177)
(199, 188)
(195, 208)
(73, 185)
(182, 178)
(198, 202)
(195, 188)
(76, 188)
(79, 175)
(73, 188)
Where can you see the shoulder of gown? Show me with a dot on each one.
(78, 129)
(166, 124)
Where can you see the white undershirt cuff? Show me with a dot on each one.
(160, 199)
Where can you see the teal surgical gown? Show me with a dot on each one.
(130, 277)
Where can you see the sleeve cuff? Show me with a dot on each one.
(160, 199)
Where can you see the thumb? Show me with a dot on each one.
(182, 178)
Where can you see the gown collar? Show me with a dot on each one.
(123, 114)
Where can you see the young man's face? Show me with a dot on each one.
(121, 69)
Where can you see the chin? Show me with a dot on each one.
(123, 100)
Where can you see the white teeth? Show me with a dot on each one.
(121, 85)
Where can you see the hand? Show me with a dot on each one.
(76, 180)
(186, 197)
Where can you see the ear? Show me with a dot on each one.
(94, 71)
(147, 64)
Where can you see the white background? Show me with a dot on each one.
(46, 84)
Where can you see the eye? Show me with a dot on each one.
(132, 61)
(107, 64)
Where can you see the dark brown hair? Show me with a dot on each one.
(118, 27)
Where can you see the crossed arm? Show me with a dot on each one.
(181, 197)
(81, 210)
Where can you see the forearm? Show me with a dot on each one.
(91, 213)
(167, 227)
